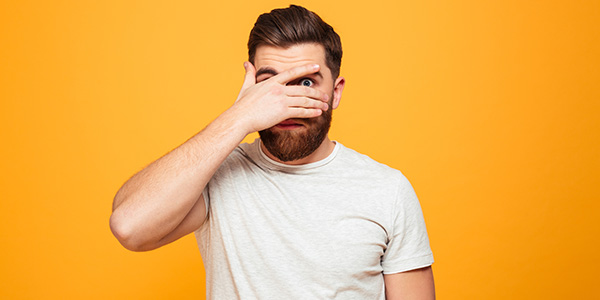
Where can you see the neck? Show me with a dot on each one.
(322, 152)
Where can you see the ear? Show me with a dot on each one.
(338, 88)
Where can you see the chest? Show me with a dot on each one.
(303, 224)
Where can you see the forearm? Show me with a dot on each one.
(155, 201)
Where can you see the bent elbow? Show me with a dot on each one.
(125, 234)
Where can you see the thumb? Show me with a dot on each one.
(250, 78)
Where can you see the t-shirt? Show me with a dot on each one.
(323, 230)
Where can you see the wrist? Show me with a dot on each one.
(235, 123)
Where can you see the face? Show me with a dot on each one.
(297, 138)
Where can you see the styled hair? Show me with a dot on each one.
(286, 27)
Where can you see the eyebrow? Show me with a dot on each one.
(268, 70)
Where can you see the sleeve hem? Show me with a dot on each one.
(206, 202)
(408, 264)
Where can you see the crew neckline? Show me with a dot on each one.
(272, 164)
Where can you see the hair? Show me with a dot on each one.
(285, 27)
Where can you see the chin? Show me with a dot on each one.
(291, 145)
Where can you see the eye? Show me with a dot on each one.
(306, 82)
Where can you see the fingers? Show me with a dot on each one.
(296, 112)
(302, 91)
(295, 73)
(307, 103)
(250, 77)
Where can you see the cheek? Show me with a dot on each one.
(328, 91)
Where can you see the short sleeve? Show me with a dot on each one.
(408, 244)
(206, 197)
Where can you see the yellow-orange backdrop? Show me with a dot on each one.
(490, 108)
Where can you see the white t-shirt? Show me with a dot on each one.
(323, 230)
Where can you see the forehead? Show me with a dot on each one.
(282, 59)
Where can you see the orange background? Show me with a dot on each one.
(490, 108)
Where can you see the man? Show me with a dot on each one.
(294, 214)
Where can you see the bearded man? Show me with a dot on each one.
(294, 214)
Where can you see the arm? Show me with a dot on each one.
(414, 284)
(164, 202)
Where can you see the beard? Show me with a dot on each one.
(290, 145)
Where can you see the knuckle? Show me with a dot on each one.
(306, 113)
(293, 73)
(307, 102)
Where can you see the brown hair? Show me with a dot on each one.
(285, 27)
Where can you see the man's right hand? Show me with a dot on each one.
(164, 201)
(265, 104)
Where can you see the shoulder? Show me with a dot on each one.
(367, 166)
(380, 176)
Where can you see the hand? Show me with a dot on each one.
(267, 103)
